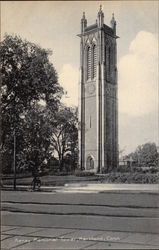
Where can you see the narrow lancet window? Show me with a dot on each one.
(109, 63)
(90, 121)
(94, 66)
(89, 63)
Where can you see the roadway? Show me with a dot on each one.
(135, 212)
(99, 212)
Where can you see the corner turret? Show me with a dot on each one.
(113, 23)
(83, 23)
(100, 17)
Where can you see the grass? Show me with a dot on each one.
(52, 180)
(114, 177)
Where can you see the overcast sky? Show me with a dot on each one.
(55, 25)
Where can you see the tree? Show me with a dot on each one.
(37, 134)
(27, 77)
(65, 134)
(121, 151)
(145, 155)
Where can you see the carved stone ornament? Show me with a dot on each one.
(91, 89)
(108, 90)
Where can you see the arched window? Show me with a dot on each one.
(88, 63)
(109, 62)
(94, 60)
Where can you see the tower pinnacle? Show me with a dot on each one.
(83, 23)
(113, 23)
(100, 17)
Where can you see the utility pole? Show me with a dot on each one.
(14, 160)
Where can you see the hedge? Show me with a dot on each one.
(117, 177)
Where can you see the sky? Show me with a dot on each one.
(55, 24)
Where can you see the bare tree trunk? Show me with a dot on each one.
(60, 162)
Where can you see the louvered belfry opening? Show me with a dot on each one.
(88, 63)
(94, 62)
(109, 62)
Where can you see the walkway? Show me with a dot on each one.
(65, 238)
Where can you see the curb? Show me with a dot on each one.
(68, 188)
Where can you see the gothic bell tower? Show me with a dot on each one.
(98, 104)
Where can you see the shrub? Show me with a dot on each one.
(83, 173)
(123, 169)
(150, 178)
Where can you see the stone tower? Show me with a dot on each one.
(98, 104)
